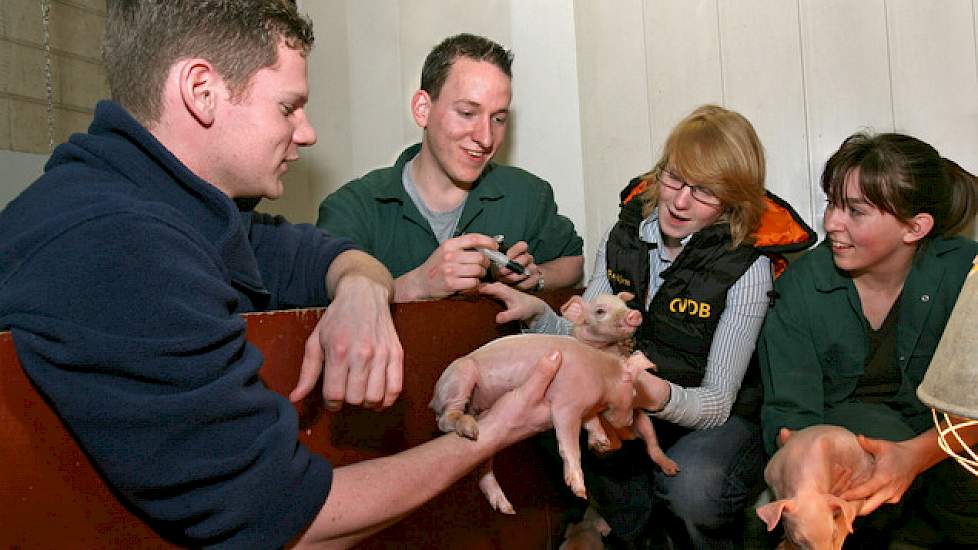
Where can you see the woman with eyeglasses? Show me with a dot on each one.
(689, 245)
(857, 323)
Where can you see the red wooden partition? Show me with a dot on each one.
(52, 497)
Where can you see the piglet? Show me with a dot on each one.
(608, 324)
(590, 381)
(807, 473)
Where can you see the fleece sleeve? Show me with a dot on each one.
(294, 259)
(127, 324)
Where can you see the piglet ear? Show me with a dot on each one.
(770, 513)
(626, 296)
(573, 310)
(848, 509)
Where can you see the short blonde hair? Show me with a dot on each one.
(718, 149)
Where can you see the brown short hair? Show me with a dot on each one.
(718, 149)
(904, 176)
(143, 38)
(441, 58)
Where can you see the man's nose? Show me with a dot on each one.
(482, 132)
(304, 134)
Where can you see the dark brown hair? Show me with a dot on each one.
(904, 176)
(144, 38)
(441, 58)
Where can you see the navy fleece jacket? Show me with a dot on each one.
(122, 277)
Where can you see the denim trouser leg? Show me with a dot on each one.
(719, 467)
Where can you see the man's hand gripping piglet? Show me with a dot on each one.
(809, 471)
(594, 378)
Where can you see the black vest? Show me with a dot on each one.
(677, 329)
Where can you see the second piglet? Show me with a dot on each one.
(594, 378)
(807, 474)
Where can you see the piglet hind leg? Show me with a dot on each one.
(567, 423)
(493, 492)
(644, 428)
(452, 393)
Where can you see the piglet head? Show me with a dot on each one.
(605, 320)
(817, 522)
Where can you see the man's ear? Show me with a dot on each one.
(200, 87)
(421, 108)
(918, 227)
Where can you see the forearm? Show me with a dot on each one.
(356, 265)
(927, 450)
(563, 272)
(407, 287)
(368, 496)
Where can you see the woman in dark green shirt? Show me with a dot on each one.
(857, 322)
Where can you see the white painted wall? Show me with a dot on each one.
(598, 84)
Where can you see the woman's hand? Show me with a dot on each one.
(519, 305)
(897, 464)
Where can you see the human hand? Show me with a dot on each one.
(896, 465)
(520, 253)
(525, 410)
(455, 265)
(519, 305)
(355, 342)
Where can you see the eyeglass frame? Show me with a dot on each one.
(695, 191)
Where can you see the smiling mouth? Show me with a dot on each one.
(677, 217)
(475, 155)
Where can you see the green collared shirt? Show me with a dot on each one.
(376, 213)
(814, 343)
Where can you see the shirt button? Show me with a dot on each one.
(903, 358)
(925, 298)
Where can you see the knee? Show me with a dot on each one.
(698, 497)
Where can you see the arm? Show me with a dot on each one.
(355, 340)
(537, 315)
(898, 463)
(455, 265)
(733, 343)
(368, 496)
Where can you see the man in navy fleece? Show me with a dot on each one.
(124, 268)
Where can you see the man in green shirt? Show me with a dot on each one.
(426, 217)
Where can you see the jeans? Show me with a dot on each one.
(701, 507)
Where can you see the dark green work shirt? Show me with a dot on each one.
(376, 213)
(813, 345)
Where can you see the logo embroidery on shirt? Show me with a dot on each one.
(692, 307)
(618, 278)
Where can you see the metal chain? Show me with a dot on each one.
(48, 78)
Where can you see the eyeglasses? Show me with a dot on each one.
(700, 193)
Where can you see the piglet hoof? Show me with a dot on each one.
(598, 443)
(575, 480)
(467, 427)
(669, 467)
(494, 493)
